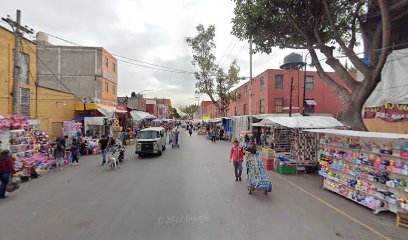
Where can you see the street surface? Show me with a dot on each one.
(188, 193)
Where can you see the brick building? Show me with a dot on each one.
(271, 94)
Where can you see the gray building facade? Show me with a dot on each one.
(70, 68)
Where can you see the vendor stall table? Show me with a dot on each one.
(366, 167)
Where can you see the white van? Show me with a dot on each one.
(151, 140)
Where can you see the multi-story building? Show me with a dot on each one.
(164, 101)
(49, 106)
(204, 109)
(87, 72)
(151, 107)
(133, 102)
(271, 94)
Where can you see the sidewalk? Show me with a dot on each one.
(383, 223)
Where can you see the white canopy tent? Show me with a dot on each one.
(106, 112)
(96, 124)
(300, 122)
(393, 87)
(138, 115)
(216, 120)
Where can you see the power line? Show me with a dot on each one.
(159, 69)
(226, 57)
(175, 70)
(226, 50)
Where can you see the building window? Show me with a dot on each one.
(106, 87)
(310, 105)
(262, 106)
(114, 67)
(245, 109)
(25, 101)
(235, 111)
(246, 91)
(24, 68)
(106, 62)
(279, 81)
(262, 83)
(278, 102)
(114, 90)
(309, 82)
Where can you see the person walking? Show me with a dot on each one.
(6, 171)
(59, 153)
(237, 157)
(263, 138)
(75, 151)
(190, 131)
(103, 144)
(222, 134)
(214, 135)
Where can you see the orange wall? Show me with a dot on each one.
(379, 125)
(110, 77)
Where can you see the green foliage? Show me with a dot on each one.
(211, 78)
(293, 23)
(189, 110)
(175, 114)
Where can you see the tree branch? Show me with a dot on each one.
(386, 36)
(349, 52)
(375, 45)
(343, 93)
(350, 82)
(353, 26)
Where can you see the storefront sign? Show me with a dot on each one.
(389, 112)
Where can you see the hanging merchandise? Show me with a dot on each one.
(368, 168)
(295, 149)
(28, 146)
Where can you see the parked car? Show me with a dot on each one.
(150, 140)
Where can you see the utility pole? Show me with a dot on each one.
(18, 29)
(250, 86)
(291, 92)
(304, 86)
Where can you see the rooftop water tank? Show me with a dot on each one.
(41, 38)
(293, 61)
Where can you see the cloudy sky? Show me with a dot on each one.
(152, 31)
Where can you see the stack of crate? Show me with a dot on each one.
(268, 156)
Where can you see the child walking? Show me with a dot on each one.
(237, 157)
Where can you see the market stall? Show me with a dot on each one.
(294, 148)
(28, 146)
(96, 127)
(369, 168)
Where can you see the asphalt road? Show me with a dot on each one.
(187, 193)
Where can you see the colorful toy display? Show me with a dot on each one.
(30, 147)
(370, 171)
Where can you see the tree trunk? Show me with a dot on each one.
(351, 116)
(352, 113)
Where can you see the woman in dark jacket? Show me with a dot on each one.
(6, 169)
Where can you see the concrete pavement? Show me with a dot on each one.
(187, 193)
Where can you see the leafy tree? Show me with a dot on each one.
(174, 113)
(325, 26)
(189, 110)
(211, 78)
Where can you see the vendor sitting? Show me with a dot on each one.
(251, 148)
